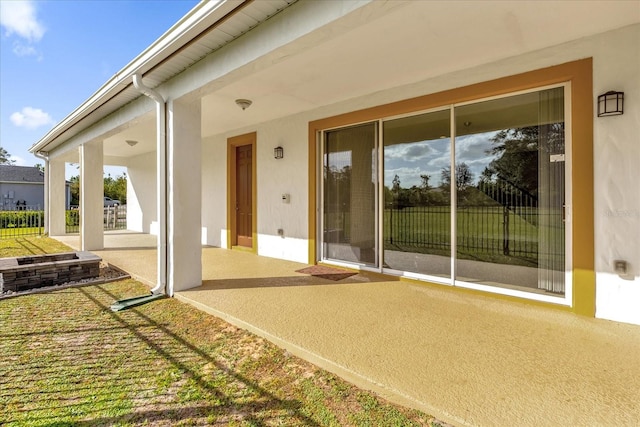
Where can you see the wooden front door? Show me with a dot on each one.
(244, 195)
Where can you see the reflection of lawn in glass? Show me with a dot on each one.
(480, 233)
(427, 230)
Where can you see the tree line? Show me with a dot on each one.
(114, 188)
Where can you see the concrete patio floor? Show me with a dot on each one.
(467, 359)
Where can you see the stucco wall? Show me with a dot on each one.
(277, 177)
(274, 178)
(214, 191)
(617, 174)
(616, 66)
(141, 193)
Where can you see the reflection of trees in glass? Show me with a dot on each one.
(424, 181)
(395, 184)
(464, 176)
(516, 158)
(516, 155)
(337, 186)
(422, 195)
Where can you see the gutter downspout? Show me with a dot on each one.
(45, 156)
(161, 177)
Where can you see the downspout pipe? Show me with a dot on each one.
(161, 178)
(45, 156)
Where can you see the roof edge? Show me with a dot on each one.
(202, 16)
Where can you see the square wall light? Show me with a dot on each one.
(611, 104)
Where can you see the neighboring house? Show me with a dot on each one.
(22, 187)
(327, 131)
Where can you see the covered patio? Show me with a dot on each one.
(466, 358)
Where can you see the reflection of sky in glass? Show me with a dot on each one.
(338, 160)
(474, 150)
(411, 160)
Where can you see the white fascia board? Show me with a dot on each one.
(201, 17)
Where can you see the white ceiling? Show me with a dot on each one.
(369, 51)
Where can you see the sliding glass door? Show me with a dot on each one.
(417, 197)
(350, 195)
(510, 165)
(473, 194)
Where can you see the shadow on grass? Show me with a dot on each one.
(66, 359)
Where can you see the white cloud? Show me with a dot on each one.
(22, 49)
(18, 161)
(409, 152)
(19, 17)
(31, 118)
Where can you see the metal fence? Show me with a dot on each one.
(29, 220)
(114, 218)
(21, 221)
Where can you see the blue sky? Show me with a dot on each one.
(55, 54)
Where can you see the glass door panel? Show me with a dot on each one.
(509, 178)
(349, 195)
(417, 201)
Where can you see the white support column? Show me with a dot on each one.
(56, 198)
(184, 222)
(91, 197)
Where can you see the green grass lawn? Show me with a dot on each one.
(30, 245)
(9, 233)
(67, 360)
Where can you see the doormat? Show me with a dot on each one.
(325, 272)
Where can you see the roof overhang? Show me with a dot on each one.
(199, 33)
(333, 52)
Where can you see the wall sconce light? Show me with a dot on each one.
(611, 104)
(131, 142)
(278, 152)
(243, 103)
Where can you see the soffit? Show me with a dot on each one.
(413, 42)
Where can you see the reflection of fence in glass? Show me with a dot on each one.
(21, 221)
(114, 218)
(337, 223)
(494, 221)
(489, 230)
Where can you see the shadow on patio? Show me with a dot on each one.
(466, 358)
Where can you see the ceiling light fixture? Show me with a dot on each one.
(131, 142)
(243, 103)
